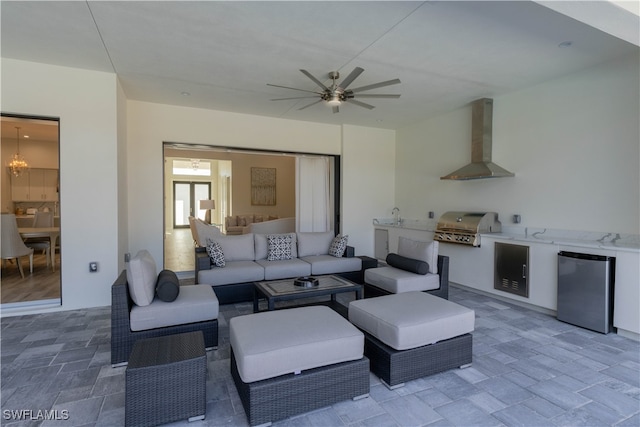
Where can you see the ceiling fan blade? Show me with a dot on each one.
(360, 104)
(309, 105)
(376, 85)
(364, 95)
(351, 77)
(294, 88)
(297, 97)
(316, 81)
(336, 109)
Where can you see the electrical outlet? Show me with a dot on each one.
(93, 266)
(127, 257)
(431, 214)
(517, 219)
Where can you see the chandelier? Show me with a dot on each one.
(18, 165)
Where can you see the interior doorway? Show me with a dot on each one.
(233, 173)
(34, 191)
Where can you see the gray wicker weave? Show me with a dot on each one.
(371, 291)
(287, 395)
(166, 380)
(123, 338)
(396, 367)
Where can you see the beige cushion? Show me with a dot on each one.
(142, 276)
(396, 281)
(280, 342)
(195, 303)
(411, 319)
(423, 251)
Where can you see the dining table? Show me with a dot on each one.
(51, 232)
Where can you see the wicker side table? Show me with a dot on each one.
(166, 380)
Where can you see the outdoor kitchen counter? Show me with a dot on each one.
(578, 239)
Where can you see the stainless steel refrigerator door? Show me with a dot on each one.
(584, 291)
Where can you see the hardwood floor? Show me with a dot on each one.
(42, 284)
(178, 250)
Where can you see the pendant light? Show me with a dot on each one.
(18, 165)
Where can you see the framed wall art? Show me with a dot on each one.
(263, 186)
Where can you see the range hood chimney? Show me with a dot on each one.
(481, 165)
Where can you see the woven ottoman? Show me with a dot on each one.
(413, 334)
(292, 361)
(166, 380)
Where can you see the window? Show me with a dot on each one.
(192, 167)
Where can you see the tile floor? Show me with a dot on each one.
(528, 369)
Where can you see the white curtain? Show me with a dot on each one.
(313, 207)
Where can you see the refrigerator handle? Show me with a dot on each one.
(524, 271)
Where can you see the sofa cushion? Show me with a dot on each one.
(233, 272)
(278, 247)
(142, 276)
(327, 264)
(167, 286)
(214, 250)
(338, 245)
(411, 319)
(195, 303)
(314, 243)
(284, 269)
(205, 231)
(231, 221)
(261, 246)
(407, 264)
(423, 251)
(274, 343)
(396, 281)
(237, 248)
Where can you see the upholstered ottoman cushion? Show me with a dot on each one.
(396, 281)
(275, 343)
(195, 303)
(411, 319)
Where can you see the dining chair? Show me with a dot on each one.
(12, 244)
(41, 220)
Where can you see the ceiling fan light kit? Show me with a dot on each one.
(337, 94)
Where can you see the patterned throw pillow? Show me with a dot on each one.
(214, 250)
(278, 247)
(338, 245)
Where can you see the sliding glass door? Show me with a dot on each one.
(186, 201)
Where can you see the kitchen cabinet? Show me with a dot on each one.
(627, 292)
(381, 243)
(35, 185)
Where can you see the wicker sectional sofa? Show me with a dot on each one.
(246, 261)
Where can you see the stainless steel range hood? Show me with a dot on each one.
(481, 165)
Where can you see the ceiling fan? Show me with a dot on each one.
(337, 93)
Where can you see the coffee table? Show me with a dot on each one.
(285, 290)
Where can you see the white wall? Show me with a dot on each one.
(86, 103)
(573, 144)
(368, 178)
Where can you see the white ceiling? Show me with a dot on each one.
(224, 53)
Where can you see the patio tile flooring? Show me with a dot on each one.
(528, 370)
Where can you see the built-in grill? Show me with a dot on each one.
(465, 227)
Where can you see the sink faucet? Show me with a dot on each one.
(396, 213)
